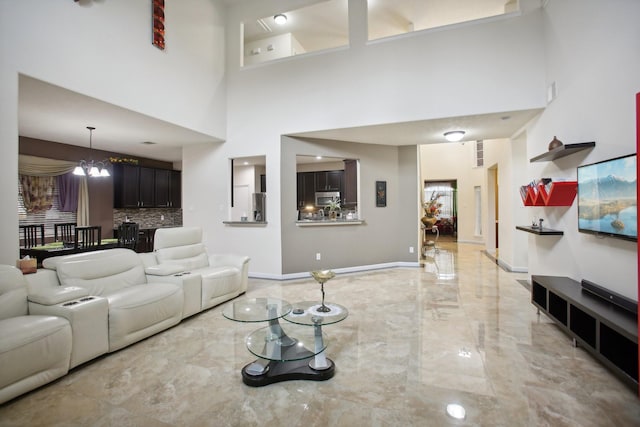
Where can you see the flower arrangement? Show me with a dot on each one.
(123, 160)
(334, 205)
(432, 207)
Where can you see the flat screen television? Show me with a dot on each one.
(607, 201)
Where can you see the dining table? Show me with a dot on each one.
(48, 250)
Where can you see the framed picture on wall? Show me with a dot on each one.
(381, 194)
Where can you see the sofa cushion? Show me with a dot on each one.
(177, 236)
(13, 292)
(103, 273)
(139, 311)
(34, 350)
(190, 256)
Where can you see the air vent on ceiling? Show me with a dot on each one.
(263, 25)
(149, 143)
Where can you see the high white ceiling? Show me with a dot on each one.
(56, 114)
(53, 113)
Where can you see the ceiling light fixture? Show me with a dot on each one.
(280, 19)
(91, 168)
(454, 135)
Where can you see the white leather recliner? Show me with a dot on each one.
(34, 349)
(137, 308)
(181, 257)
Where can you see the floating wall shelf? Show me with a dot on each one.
(561, 193)
(563, 150)
(539, 231)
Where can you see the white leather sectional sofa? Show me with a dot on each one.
(78, 307)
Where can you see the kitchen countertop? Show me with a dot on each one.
(328, 222)
(245, 222)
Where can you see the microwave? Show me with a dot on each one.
(323, 198)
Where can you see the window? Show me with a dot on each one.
(48, 217)
(478, 210)
(248, 202)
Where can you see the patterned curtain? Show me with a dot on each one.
(43, 167)
(37, 192)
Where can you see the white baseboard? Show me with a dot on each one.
(301, 275)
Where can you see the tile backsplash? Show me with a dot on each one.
(149, 218)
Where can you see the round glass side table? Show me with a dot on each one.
(283, 350)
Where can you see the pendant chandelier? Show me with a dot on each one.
(91, 168)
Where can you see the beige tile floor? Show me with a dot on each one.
(457, 330)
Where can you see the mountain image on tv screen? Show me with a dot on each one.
(607, 200)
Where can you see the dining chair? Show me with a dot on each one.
(128, 235)
(87, 236)
(64, 232)
(30, 235)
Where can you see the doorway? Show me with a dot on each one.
(493, 211)
(444, 196)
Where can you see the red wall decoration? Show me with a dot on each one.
(158, 23)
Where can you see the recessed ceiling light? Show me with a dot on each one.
(246, 163)
(454, 135)
(280, 19)
(318, 157)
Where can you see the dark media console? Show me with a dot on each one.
(602, 322)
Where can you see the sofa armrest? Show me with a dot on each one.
(164, 269)
(241, 262)
(44, 279)
(89, 318)
(57, 295)
(228, 260)
(148, 259)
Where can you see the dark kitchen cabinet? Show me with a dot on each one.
(328, 180)
(306, 189)
(126, 186)
(147, 184)
(141, 187)
(167, 188)
(175, 198)
(350, 182)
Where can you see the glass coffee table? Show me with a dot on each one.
(289, 351)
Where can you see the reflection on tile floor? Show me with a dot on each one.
(457, 330)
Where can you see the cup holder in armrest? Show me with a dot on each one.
(84, 299)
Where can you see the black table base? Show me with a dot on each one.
(286, 371)
(294, 366)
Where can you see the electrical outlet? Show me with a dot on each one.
(318, 256)
(410, 249)
(161, 217)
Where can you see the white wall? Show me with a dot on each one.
(592, 55)
(103, 49)
(271, 48)
(420, 76)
